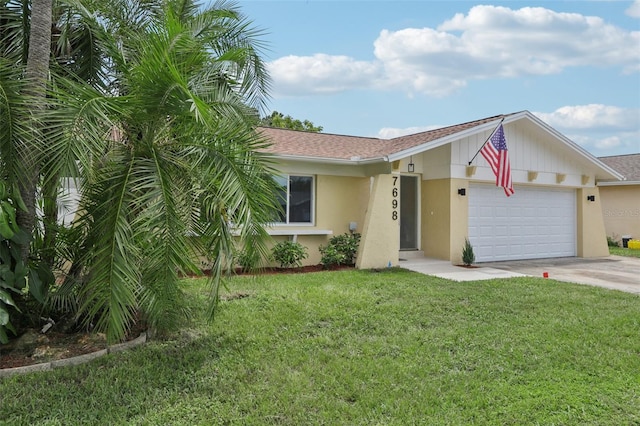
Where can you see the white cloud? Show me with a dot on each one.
(600, 129)
(487, 42)
(320, 73)
(634, 9)
(592, 117)
(608, 143)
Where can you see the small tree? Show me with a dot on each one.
(467, 253)
(277, 119)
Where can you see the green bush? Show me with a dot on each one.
(467, 253)
(612, 241)
(289, 253)
(248, 260)
(17, 278)
(341, 250)
(331, 256)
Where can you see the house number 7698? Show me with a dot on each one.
(394, 201)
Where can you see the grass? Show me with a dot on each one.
(364, 348)
(619, 251)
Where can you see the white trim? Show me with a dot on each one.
(312, 221)
(620, 183)
(299, 231)
(293, 233)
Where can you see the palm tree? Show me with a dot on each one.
(24, 69)
(162, 140)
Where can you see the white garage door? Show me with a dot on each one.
(531, 224)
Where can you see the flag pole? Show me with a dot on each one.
(485, 142)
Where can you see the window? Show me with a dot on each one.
(296, 199)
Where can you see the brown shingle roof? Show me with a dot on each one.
(322, 145)
(340, 147)
(627, 165)
(405, 142)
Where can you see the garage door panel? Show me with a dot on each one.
(533, 223)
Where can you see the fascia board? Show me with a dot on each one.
(619, 183)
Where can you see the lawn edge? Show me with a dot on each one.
(76, 360)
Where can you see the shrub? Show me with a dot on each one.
(331, 256)
(467, 253)
(248, 260)
(612, 241)
(289, 253)
(341, 250)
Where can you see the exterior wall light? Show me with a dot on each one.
(462, 191)
(591, 197)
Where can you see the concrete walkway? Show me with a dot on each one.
(444, 269)
(612, 272)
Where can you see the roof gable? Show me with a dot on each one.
(332, 148)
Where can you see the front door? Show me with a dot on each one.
(409, 202)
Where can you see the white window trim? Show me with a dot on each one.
(313, 202)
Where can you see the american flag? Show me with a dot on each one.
(496, 153)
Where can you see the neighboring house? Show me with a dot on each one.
(621, 199)
(417, 194)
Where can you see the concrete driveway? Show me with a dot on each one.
(613, 272)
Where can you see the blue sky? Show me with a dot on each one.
(388, 68)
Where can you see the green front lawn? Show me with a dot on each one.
(364, 348)
(619, 251)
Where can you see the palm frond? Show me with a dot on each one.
(110, 296)
(16, 132)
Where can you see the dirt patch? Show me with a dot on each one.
(33, 347)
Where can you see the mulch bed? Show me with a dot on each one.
(33, 347)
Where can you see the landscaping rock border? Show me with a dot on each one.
(76, 360)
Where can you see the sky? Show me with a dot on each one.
(390, 68)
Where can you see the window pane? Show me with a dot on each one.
(301, 191)
(281, 181)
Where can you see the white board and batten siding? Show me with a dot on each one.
(530, 149)
(534, 223)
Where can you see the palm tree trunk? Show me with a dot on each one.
(36, 74)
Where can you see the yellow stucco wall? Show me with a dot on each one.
(445, 218)
(591, 235)
(621, 210)
(380, 233)
(459, 219)
(338, 201)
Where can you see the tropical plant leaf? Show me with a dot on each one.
(5, 298)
